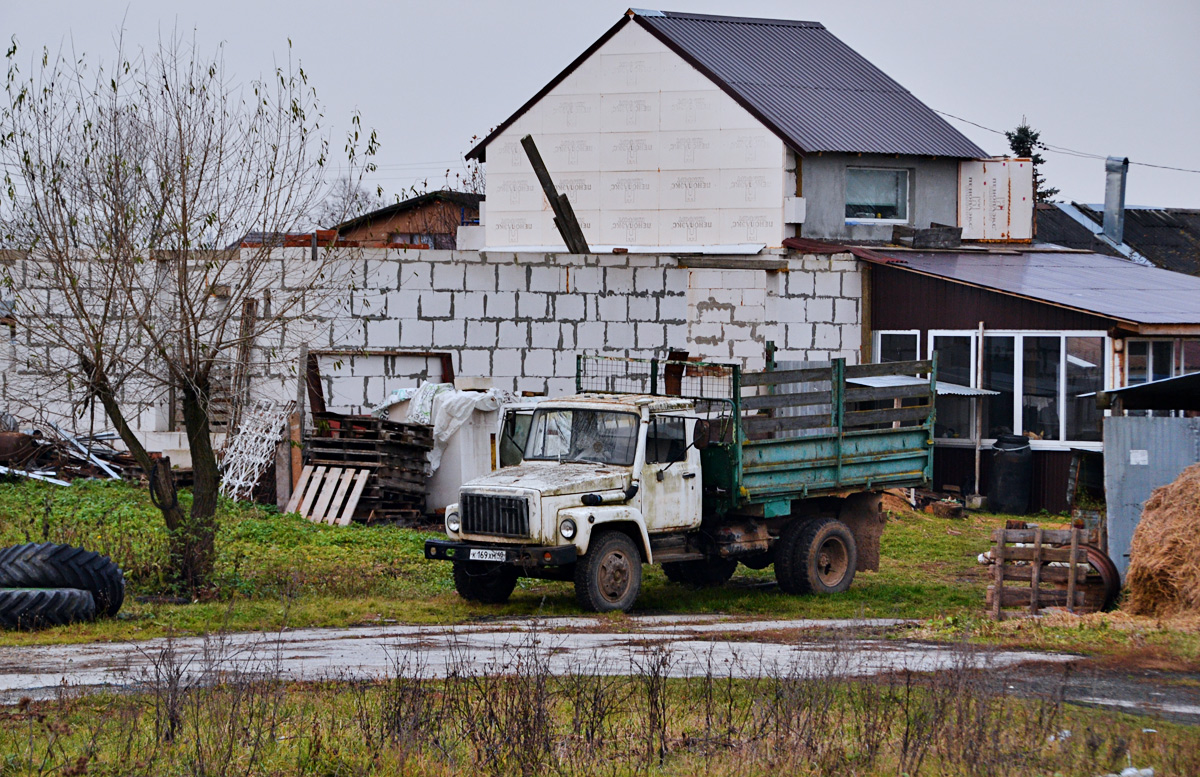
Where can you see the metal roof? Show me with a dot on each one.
(801, 81)
(942, 388)
(1092, 283)
(1179, 393)
(461, 199)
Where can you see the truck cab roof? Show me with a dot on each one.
(629, 403)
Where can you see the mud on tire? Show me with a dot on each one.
(609, 577)
(818, 556)
(48, 565)
(35, 608)
(481, 581)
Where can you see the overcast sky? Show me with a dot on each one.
(1103, 78)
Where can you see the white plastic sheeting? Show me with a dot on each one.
(451, 409)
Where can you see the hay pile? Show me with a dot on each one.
(1164, 561)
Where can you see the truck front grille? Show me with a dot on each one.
(503, 516)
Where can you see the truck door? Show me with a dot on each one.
(509, 449)
(670, 492)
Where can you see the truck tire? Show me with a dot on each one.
(35, 608)
(609, 577)
(702, 573)
(48, 565)
(817, 556)
(479, 581)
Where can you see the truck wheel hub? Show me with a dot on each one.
(832, 562)
(614, 575)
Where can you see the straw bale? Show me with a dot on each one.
(1164, 560)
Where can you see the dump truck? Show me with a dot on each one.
(695, 466)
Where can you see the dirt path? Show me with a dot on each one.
(686, 646)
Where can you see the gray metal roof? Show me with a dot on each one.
(810, 87)
(1093, 283)
(802, 82)
(1179, 393)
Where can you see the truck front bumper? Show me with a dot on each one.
(517, 555)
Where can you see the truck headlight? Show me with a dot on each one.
(453, 523)
(567, 529)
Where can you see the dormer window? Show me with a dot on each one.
(875, 195)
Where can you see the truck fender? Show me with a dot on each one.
(588, 519)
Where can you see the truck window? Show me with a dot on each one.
(513, 437)
(666, 441)
(583, 435)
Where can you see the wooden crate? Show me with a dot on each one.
(1021, 557)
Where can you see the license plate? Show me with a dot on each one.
(480, 554)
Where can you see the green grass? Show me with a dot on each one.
(277, 569)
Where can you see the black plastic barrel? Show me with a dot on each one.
(1011, 478)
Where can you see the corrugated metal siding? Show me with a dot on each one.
(1051, 474)
(1168, 445)
(809, 86)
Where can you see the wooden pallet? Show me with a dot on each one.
(328, 494)
(1027, 566)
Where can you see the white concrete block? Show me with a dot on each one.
(845, 311)
(436, 304)
(415, 333)
(852, 284)
(416, 275)
(481, 334)
(587, 279)
(512, 277)
(383, 334)
(449, 334)
(469, 305)
(544, 334)
(449, 277)
(513, 334)
(649, 279)
(743, 279)
(619, 335)
(501, 304)
(567, 336)
(619, 280)
(705, 279)
(506, 362)
(471, 237)
(557, 387)
(480, 277)
(801, 283)
(569, 307)
(532, 304)
(749, 349)
(673, 307)
(475, 362)
(539, 363)
(613, 307)
(756, 296)
(828, 284)
(643, 309)
(818, 310)
(827, 336)
(651, 335)
(590, 336)
(547, 278)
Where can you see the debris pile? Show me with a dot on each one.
(49, 453)
(1164, 559)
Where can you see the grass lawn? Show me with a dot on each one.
(275, 570)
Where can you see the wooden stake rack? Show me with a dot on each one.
(385, 459)
(1038, 561)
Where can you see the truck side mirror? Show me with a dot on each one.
(700, 435)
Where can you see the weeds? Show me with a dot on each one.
(218, 715)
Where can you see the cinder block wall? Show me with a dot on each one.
(521, 319)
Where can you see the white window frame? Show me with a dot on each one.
(907, 195)
(877, 340)
(1019, 336)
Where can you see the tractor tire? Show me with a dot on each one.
(609, 577)
(35, 608)
(47, 565)
(482, 581)
(702, 573)
(818, 556)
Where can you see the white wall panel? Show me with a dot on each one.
(649, 152)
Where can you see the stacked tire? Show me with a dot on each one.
(46, 584)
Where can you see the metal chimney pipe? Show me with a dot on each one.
(1116, 169)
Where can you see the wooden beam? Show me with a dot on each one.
(564, 215)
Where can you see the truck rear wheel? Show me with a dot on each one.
(609, 577)
(701, 573)
(817, 556)
(480, 581)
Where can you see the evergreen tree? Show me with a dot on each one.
(1024, 143)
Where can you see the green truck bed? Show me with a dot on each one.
(780, 435)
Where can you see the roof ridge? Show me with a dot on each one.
(704, 17)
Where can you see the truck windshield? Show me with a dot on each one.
(583, 435)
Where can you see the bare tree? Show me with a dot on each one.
(129, 190)
(347, 199)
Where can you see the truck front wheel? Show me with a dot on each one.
(818, 556)
(701, 573)
(480, 581)
(609, 577)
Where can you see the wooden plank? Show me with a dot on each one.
(761, 424)
(310, 493)
(1036, 579)
(340, 496)
(922, 367)
(876, 393)
(787, 400)
(360, 483)
(775, 377)
(331, 482)
(298, 492)
(1047, 554)
(866, 417)
(1072, 570)
(564, 217)
(1049, 536)
(1019, 597)
(1024, 574)
(998, 575)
